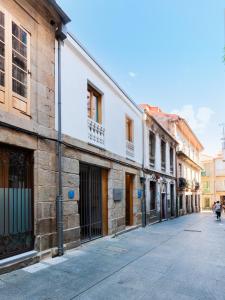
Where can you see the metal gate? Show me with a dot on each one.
(16, 201)
(90, 204)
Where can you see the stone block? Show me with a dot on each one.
(46, 178)
(121, 221)
(71, 221)
(70, 165)
(46, 193)
(72, 235)
(44, 226)
(46, 210)
(69, 207)
(46, 241)
(70, 180)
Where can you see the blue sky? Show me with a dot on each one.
(162, 52)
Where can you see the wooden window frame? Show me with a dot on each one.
(13, 101)
(94, 93)
(130, 130)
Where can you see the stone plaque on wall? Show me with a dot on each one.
(117, 194)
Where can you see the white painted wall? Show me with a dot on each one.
(77, 69)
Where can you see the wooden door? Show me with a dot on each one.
(129, 200)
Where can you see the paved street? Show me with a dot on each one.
(180, 259)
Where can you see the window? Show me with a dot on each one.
(163, 155)
(129, 130)
(152, 195)
(151, 149)
(181, 201)
(19, 60)
(171, 160)
(94, 104)
(14, 67)
(206, 186)
(180, 169)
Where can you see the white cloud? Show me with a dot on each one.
(132, 74)
(198, 119)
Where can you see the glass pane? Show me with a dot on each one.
(19, 60)
(2, 49)
(2, 79)
(19, 47)
(19, 88)
(19, 33)
(2, 64)
(89, 104)
(19, 74)
(95, 108)
(2, 34)
(2, 19)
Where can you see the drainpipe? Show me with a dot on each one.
(142, 177)
(61, 35)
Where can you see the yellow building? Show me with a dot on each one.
(213, 180)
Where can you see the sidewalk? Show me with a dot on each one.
(179, 259)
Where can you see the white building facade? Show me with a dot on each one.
(103, 138)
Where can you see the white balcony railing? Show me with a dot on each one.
(130, 149)
(96, 133)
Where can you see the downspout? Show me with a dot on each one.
(143, 179)
(61, 36)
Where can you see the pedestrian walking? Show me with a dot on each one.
(218, 208)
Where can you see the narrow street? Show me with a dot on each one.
(179, 259)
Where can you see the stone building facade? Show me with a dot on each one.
(28, 172)
(187, 160)
(160, 170)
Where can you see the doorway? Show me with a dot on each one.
(164, 204)
(16, 201)
(129, 199)
(172, 200)
(163, 213)
(187, 206)
(93, 204)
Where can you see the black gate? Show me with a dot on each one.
(16, 201)
(90, 204)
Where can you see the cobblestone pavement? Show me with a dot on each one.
(180, 259)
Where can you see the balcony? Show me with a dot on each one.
(182, 183)
(130, 149)
(96, 133)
